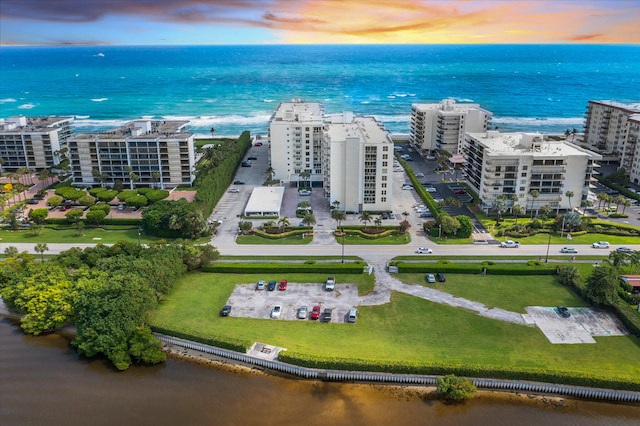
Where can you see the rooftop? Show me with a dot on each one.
(526, 143)
(141, 129)
(635, 107)
(32, 124)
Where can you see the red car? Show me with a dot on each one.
(315, 313)
(257, 144)
(283, 285)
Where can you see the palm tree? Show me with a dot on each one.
(156, 177)
(584, 204)
(534, 194)
(336, 204)
(2, 161)
(378, 222)
(513, 198)
(305, 176)
(500, 206)
(339, 216)
(517, 210)
(365, 218)
(309, 219)
(283, 222)
(405, 214)
(212, 131)
(269, 224)
(569, 195)
(626, 203)
(567, 133)
(41, 248)
(573, 134)
(270, 172)
(601, 196)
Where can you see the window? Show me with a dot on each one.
(385, 164)
(524, 174)
(525, 167)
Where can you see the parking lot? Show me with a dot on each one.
(247, 302)
(580, 327)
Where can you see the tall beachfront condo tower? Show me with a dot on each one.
(358, 163)
(442, 126)
(631, 154)
(34, 143)
(514, 164)
(138, 154)
(606, 125)
(295, 134)
(351, 157)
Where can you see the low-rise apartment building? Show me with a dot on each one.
(631, 154)
(33, 143)
(442, 126)
(515, 164)
(140, 153)
(351, 157)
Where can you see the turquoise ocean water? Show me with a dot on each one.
(235, 88)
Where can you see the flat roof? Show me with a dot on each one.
(265, 201)
(533, 144)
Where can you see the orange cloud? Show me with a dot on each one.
(415, 21)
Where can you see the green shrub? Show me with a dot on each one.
(455, 388)
(237, 345)
(254, 268)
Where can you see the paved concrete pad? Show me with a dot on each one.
(580, 327)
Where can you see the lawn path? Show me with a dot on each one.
(385, 283)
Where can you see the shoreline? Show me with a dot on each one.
(400, 392)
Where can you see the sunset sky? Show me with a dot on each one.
(165, 22)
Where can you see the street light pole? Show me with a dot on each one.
(342, 245)
(546, 260)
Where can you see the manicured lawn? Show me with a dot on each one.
(408, 329)
(89, 235)
(503, 291)
(389, 240)
(258, 240)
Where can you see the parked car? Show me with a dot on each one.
(326, 315)
(352, 315)
(226, 310)
(121, 207)
(440, 277)
(419, 175)
(257, 144)
(563, 311)
(276, 311)
(315, 313)
(405, 156)
(32, 201)
(392, 216)
(252, 158)
(283, 285)
(425, 215)
(430, 278)
(271, 286)
(302, 312)
(424, 250)
(304, 192)
(568, 250)
(430, 189)
(260, 285)
(429, 157)
(600, 244)
(510, 244)
(238, 182)
(246, 163)
(330, 284)
(234, 190)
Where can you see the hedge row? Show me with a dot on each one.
(255, 268)
(382, 234)
(532, 268)
(237, 345)
(105, 221)
(290, 233)
(542, 375)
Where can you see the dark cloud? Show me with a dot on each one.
(270, 17)
(584, 37)
(158, 10)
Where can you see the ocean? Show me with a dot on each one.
(536, 88)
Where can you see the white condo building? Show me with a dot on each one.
(33, 142)
(518, 163)
(606, 125)
(351, 157)
(442, 126)
(631, 154)
(156, 152)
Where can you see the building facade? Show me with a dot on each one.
(33, 143)
(631, 154)
(442, 126)
(351, 157)
(515, 164)
(606, 125)
(140, 153)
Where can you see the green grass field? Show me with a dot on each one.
(409, 329)
(109, 235)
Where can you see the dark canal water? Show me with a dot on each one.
(44, 382)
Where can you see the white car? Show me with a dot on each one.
(304, 192)
(430, 157)
(600, 244)
(424, 250)
(509, 244)
(568, 250)
(430, 278)
(234, 190)
(302, 312)
(419, 175)
(430, 189)
(276, 311)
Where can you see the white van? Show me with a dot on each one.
(352, 316)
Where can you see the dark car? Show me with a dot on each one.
(252, 158)
(283, 285)
(226, 310)
(238, 182)
(246, 163)
(315, 313)
(326, 315)
(440, 277)
(563, 311)
(624, 250)
(32, 201)
(271, 286)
